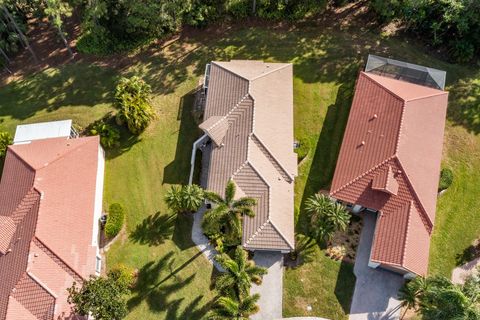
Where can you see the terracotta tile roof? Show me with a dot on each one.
(48, 185)
(8, 227)
(255, 102)
(390, 160)
(385, 181)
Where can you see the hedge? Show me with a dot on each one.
(115, 218)
(446, 179)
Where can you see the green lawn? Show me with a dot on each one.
(174, 279)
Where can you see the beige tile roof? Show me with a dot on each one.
(257, 150)
(215, 128)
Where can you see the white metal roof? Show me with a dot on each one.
(42, 130)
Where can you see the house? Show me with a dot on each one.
(50, 204)
(389, 161)
(248, 126)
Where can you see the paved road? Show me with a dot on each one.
(375, 296)
(271, 289)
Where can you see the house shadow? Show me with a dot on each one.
(182, 235)
(177, 172)
(154, 229)
(327, 148)
(345, 286)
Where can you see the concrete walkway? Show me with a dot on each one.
(375, 295)
(460, 273)
(202, 241)
(271, 289)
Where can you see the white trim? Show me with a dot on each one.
(97, 211)
(194, 153)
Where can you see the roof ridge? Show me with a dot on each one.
(257, 232)
(9, 148)
(404, 249)
(228, 70)
(61, 263)
(257, 139)
(281, 234)
(41, 284)
(271, 71)
(415, 195)
(378, 84)
(439, 93)
(29, 205)
(229, 112)
(363, 174)
(84, 142)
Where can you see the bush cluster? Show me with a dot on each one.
(132, 97)
(115, 219)
(450, 24)
(122, 274)
(109, 134)
(446, 179)
(5, 141)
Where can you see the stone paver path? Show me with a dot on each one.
(201, 240)
(375, 295)
(271, 289)
(460, 273)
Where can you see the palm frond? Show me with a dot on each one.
(244, 202)
(230, 192)
(213, 197)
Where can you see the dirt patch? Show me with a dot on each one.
(345, 243)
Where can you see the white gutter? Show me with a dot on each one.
(194, 152)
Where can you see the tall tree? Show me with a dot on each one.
(239, 273)
(55, 10)
(226, 216)
(11, 21)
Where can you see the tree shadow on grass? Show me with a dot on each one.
(177, 172)
(327, 149)
(157, 281)
(345, 286)
(464, 106)
(71, 85)
(154, 229)
(192, 311)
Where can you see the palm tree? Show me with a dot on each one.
(410, 292)
(231, 308)
(185, 199)
(226, 216)
(240, 273)
(325, 217)
(173, 198)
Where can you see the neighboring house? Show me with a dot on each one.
(389, 161)
(248, 121)
(50, 204)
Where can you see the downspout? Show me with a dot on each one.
(194, 153)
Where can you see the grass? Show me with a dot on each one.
(174, 279)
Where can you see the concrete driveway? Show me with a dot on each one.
(375, 295)
(271, 289)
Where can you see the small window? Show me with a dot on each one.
(98, 264)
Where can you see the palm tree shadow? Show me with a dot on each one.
(154, 229)
(192, 311)
(154, 289)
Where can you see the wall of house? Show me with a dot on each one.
(98, 203)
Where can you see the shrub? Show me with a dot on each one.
(5, 141)
(132, 98)
(115, 218)
(109, 135)
(122, 274)
(446, 179)
(238, 8)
